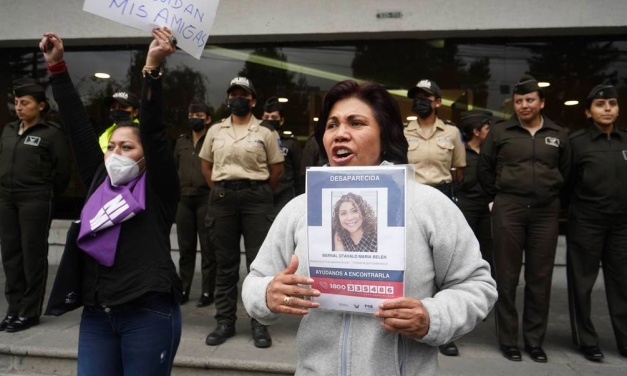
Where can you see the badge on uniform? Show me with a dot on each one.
(32, 140)
(552, 141)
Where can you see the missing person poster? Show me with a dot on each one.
(356, 235)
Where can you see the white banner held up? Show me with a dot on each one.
(189, 20)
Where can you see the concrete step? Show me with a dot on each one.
(32, 365)
(51, 348)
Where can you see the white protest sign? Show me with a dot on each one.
(189, 20)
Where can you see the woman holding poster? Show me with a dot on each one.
(131, 322)
(354, 225)
(360, 125)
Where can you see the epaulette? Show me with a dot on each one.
(448, 122)
(577, 133)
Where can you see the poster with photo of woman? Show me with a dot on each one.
(354, 221)
(356, 235)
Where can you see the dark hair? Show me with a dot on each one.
(367, 214)
(468, 130)
(385, 109)
(272, 105)
(127, 124)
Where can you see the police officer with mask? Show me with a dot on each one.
(35, 166)
(192, 208)
(289, 186)
(472, 199)
(242, 163)
(597, 221)
(123, 106)
(435, 147)
(523, 164)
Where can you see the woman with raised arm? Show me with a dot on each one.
(131, 322)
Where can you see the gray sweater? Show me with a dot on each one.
(444, 269)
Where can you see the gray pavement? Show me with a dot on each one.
(50, 348)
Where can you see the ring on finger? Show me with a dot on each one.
(287, 301)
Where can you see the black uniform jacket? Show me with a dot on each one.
(37, 160)
(142, 263)
(291, 172)
(193, 182)
(598, 179)
(526, 169)
(470, 191)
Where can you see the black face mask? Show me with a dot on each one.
(118, 116)
(422, 107)
(274, 123)
(239, 106)
(196, 124)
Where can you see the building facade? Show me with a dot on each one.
(297, 49)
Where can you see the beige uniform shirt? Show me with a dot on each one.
(434, 156)
(244, 157)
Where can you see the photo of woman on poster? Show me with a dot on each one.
(354, 225)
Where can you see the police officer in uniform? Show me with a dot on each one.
(35, 165)
(472, 199)
(192, 208)
(435, 148)
(123, 106)
(597, 221)
(242, 163)
(523, 164)
(289, 186)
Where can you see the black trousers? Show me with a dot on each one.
(282, 198)
(191, 227)
(592, 239)
(233, 213)
(24, 226)
(534, 231)
(478, 216)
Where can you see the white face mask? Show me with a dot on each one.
(121, 169)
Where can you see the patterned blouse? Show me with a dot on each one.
(368, 242)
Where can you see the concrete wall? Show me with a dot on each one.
(22, 22)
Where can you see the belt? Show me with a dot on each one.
(235, 185)
(446, 188)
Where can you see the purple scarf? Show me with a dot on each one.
(103, 214)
